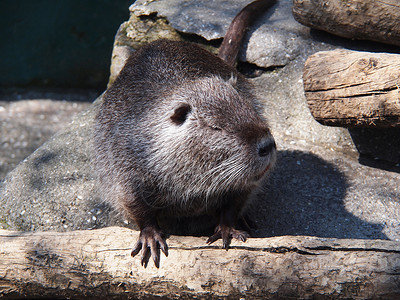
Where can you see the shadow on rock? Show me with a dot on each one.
(351, 44)
(378, 147)
(305, 196)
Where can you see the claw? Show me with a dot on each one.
(145, 257)
(155, 252)
(150, 242)
(226, 233)
(163, 246)
(214, 237)
(225, 243)
(240, 235)
(136, 249)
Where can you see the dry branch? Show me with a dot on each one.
(97, 264)
(357, 19)
(351, 88)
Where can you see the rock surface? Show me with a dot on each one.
(53, 189)
(27, 120)
(318, 187)
(274, 40)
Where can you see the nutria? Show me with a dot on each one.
(180, 134)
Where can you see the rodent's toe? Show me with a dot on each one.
(137, 248)
(146, 253)
(150, 242)
(240, 235)
(226, 233)
(214, 237)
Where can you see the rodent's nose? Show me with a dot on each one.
(266, 146)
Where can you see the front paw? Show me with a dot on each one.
(150, 241)
(226, 233)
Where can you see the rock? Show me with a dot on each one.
(53, 189)
(317, 188)
(27, 124)
(209, 19)
(274, 40)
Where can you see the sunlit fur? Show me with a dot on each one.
(179, 167)
(203, 162)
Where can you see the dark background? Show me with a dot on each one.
(63, 43)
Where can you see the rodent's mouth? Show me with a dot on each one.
(261, 174)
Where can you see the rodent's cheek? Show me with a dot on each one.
(259, 176)
(270, 159)
(265, 164)
(217, 140)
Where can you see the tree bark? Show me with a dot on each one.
(353, 89)
(97, 264)
(374, 20)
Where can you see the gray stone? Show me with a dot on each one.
(26, 124)
(318, 187)
(274, 40)
(209, 19)
(53, 189)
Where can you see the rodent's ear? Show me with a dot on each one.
(181, 113)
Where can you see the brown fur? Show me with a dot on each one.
(180, 135)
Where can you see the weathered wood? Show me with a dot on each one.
(356, 19)
(97, 263)
(353, 89)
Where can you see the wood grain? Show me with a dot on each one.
(373, 20)
(353, 89)
(97, 264)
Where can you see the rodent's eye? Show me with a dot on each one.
(213, 127)
(180, 114)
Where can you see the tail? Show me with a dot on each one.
(231, 44)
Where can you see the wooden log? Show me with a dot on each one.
(353, 89)
(373, 20)
(97, 264)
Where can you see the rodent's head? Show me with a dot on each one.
(209, 138)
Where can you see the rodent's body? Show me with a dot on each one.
(137, 144)
(180, 134)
